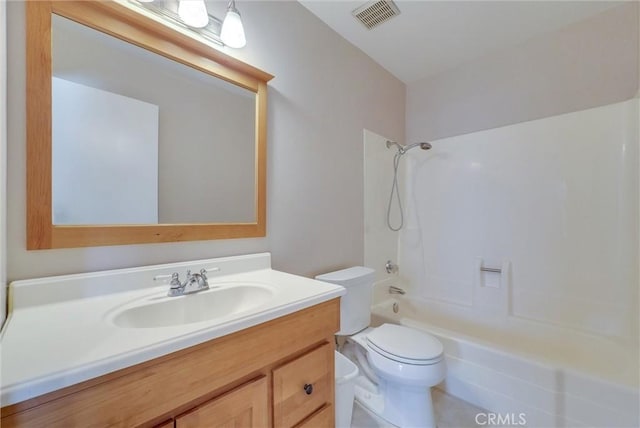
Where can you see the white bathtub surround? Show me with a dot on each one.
(557, 377)
(555, 200)
(553, 206)
(62, 330)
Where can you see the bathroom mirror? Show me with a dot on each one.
(137, 133)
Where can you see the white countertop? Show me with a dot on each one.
(59, 331)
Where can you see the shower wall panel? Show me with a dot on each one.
(553, 203)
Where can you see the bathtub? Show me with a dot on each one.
(553, 377)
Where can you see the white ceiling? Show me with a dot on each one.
(429, 37)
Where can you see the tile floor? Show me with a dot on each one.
(450, 411)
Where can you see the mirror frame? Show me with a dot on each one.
(126, 24)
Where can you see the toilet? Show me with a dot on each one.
(399, 365)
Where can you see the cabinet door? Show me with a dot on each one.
(243, 407)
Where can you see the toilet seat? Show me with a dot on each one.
(405, 345)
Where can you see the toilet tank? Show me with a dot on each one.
(355, 306)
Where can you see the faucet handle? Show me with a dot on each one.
(175, 280)
(175, 287)
(203, 280)
(391, 267)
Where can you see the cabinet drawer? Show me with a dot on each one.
(323, 418)
(302, 386)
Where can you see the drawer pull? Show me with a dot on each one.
(308, 388)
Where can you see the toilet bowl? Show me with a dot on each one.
(399, 365)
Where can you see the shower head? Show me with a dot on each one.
(404, 149)
(423, 145)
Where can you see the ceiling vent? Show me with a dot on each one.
(376, 12)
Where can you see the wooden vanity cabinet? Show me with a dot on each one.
(302, 386)
(245, 406)
(277, 374)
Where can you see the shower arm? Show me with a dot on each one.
(393, 143)
(404, 149)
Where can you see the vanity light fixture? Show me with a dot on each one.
(232, 33)
(192, 16)
(193, 13)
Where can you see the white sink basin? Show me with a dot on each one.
(218, 302)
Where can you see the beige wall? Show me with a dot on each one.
(590, 63)
(324, 93)
(3, 160)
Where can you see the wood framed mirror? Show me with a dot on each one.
(49, 226)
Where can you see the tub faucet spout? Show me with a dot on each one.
(396, 290)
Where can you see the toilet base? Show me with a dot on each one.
(399, 405)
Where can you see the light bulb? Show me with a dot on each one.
(232, 33)
(193, 13)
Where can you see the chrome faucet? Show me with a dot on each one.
(193, 283)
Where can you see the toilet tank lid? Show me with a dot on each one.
(348, 276)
